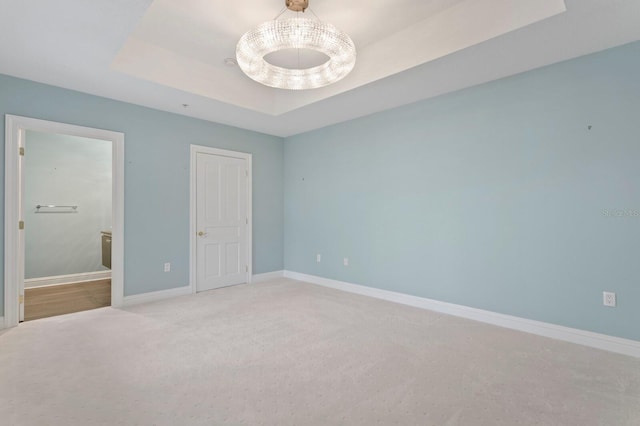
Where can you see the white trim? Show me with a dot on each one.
(2, 324)
(117, 222)
(66, 279)
(156, 295)
(11, 217)
(194, 150)
(567, 334)
(14, 247)
(267, 276)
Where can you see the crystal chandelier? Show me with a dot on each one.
(296, 33)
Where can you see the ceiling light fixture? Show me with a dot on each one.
(296, 33)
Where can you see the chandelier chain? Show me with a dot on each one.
(284, 9)
(314, 14)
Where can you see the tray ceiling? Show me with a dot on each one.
(166, 53)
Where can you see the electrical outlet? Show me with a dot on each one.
(346, 261)
(318, 258)
(167, 267)
(609, 299)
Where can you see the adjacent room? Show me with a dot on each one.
(317, 212)
(67, 253)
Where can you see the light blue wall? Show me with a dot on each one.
(157, 178)
(494, 197)
(65, 170)
(497, 197)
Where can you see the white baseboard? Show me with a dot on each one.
(182, 291)
(567, 334)
(67, 279)
(258, 278)
(2, 324)
(156, 295)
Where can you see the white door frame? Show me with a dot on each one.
(198, 149)
(14, 253)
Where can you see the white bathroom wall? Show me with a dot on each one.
(65, 170)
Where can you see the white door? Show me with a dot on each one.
(21, 236)
(221, 221)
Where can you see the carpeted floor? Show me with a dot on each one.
(290, 353)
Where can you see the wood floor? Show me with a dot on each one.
(55, 300)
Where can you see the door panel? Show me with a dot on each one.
(233, 260)
(221, 221)
(212, 260)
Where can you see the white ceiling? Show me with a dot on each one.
(166, 53)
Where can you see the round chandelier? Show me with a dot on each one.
(296, 33)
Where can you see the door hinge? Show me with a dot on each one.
(21, 299)
(246, 173)
(246, 268)
(247, 221)
(21, 150)
(21, 224)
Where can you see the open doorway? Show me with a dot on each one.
(67, 224)
(64, 197)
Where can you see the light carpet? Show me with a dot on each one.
(290, 353)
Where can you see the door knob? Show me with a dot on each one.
(201, 234)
